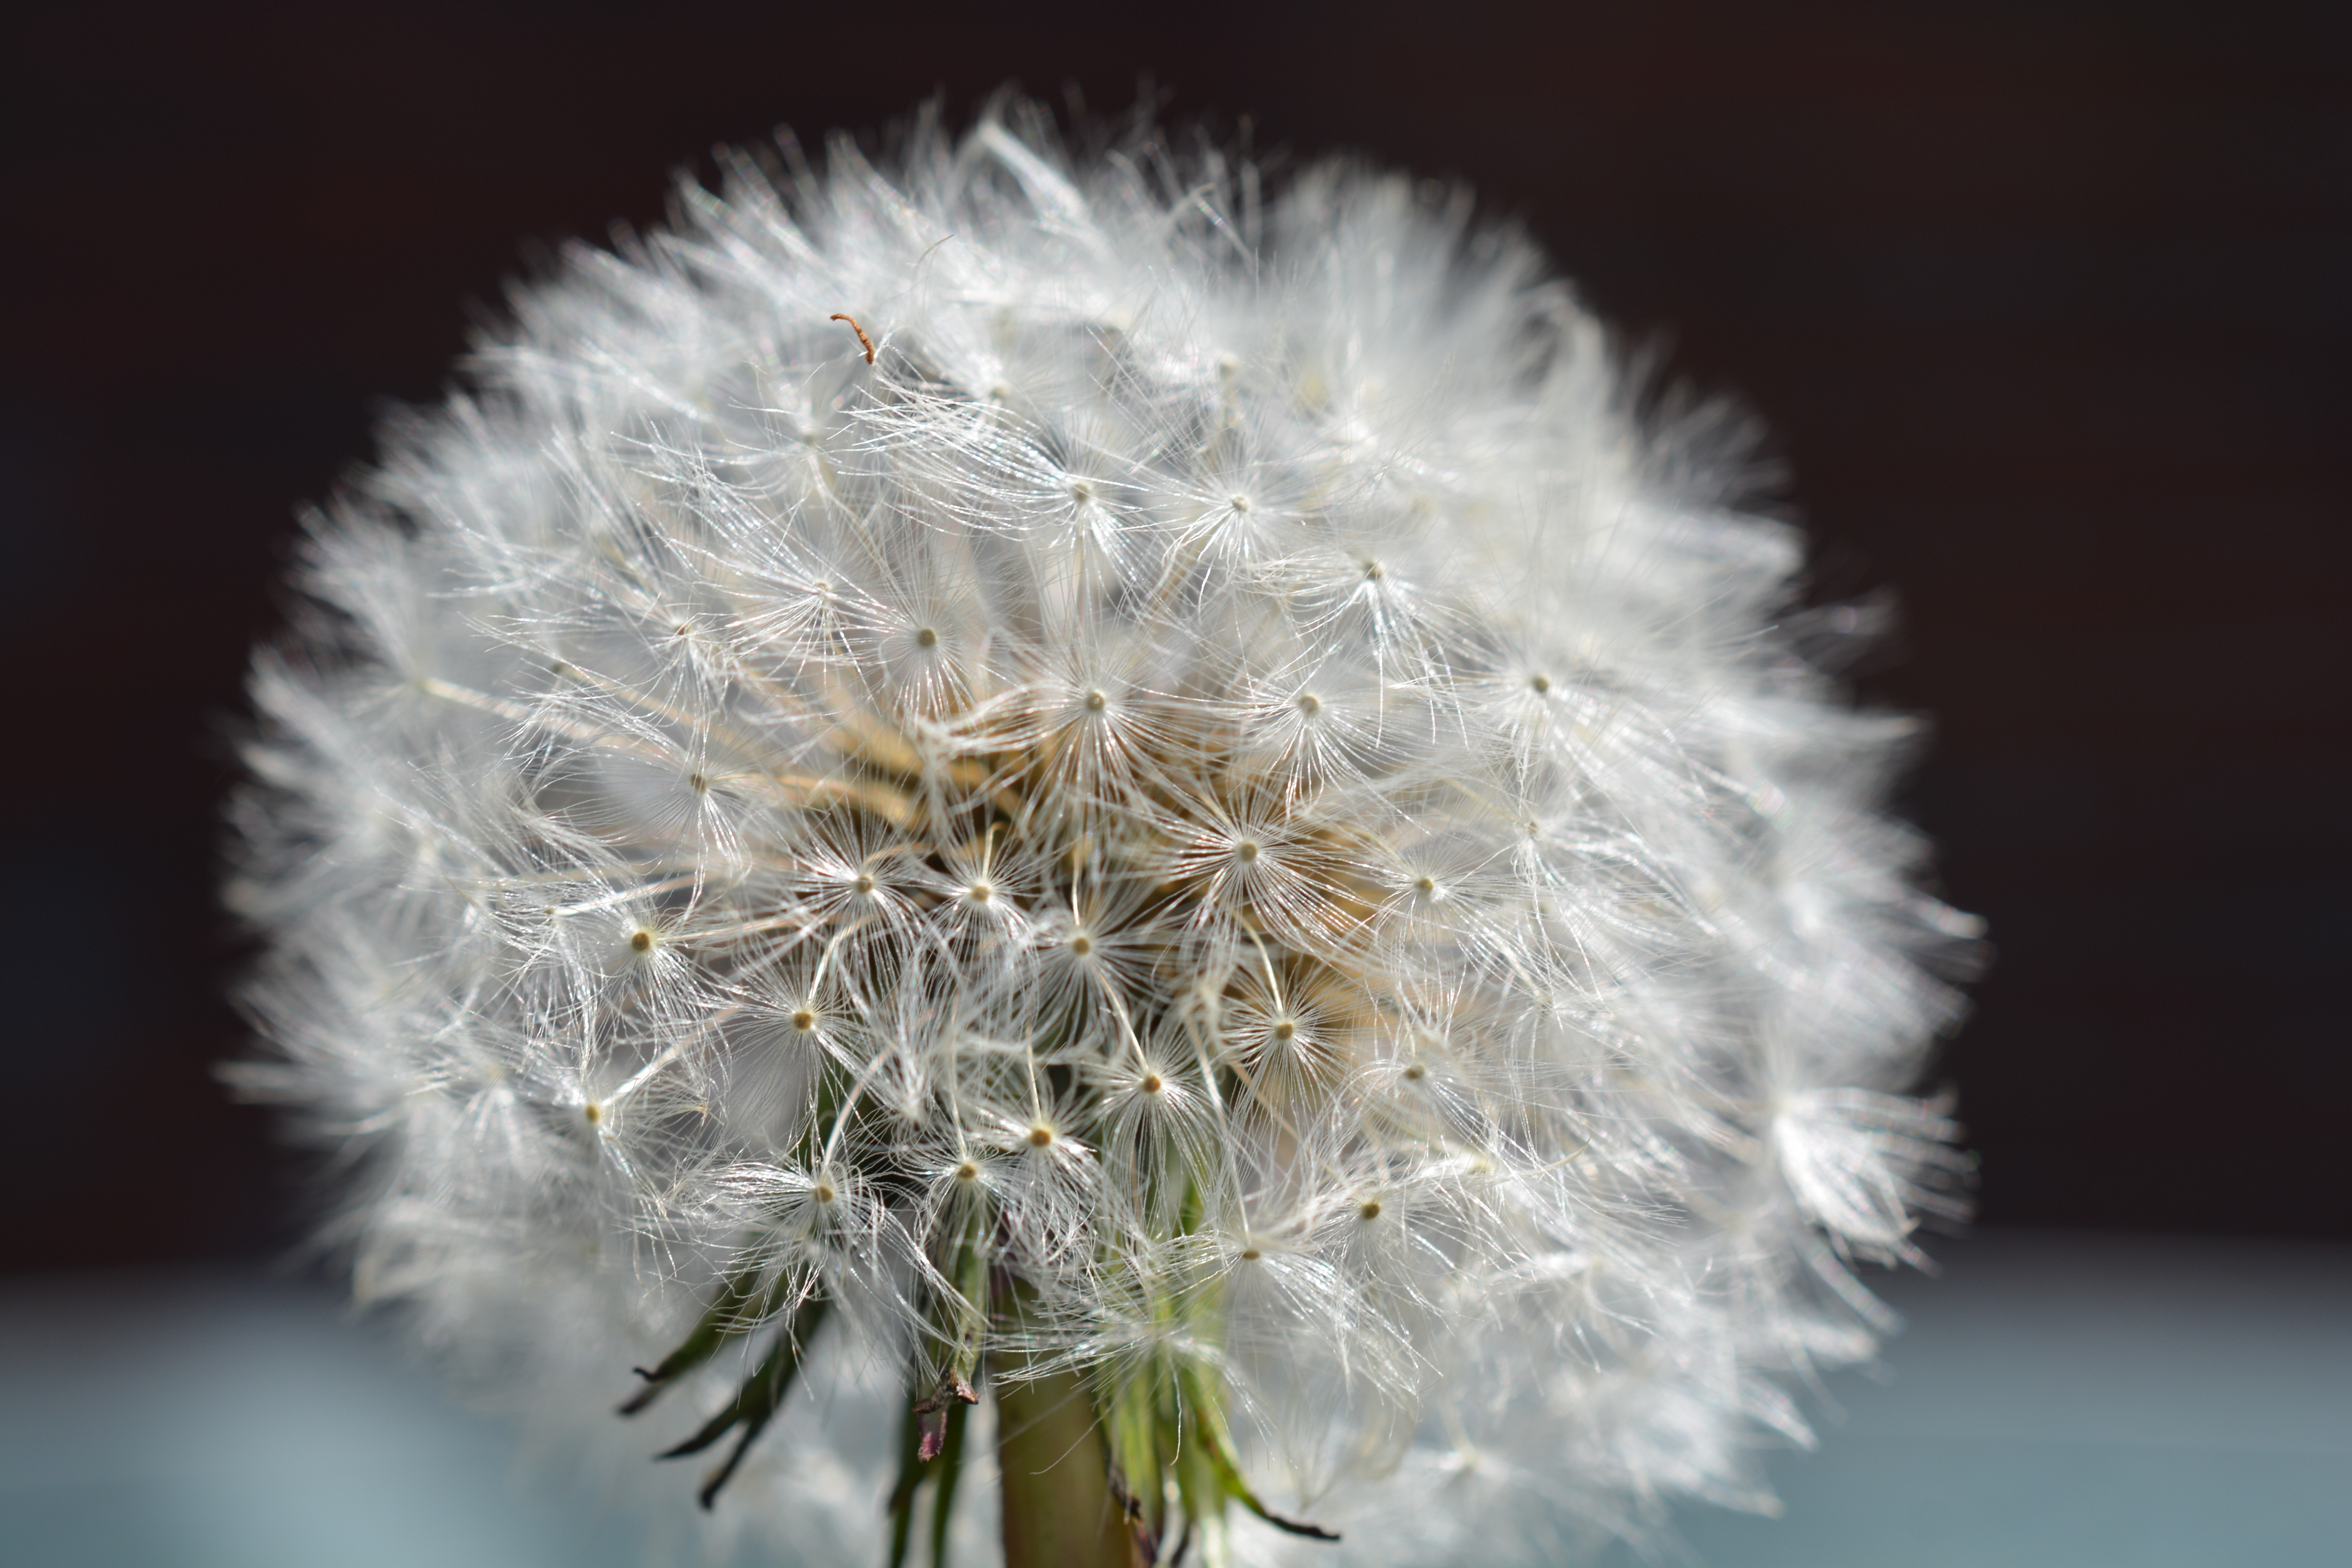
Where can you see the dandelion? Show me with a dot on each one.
(1028, 816)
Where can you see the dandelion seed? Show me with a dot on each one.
(1162, 800)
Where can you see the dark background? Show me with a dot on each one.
(2046, 306)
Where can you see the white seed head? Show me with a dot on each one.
(1228, 712)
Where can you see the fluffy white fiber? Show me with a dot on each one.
(1227, 809)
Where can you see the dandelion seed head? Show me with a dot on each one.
(1232, 739)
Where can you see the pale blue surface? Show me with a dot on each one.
(175, 1422)
(2070, 1401)
(2080, 1402)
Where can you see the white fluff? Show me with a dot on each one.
(1229, 740)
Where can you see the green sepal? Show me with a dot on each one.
(965, 1303)
(913, 1473)
(1133, 1427)
(748, 1299)
(1198, 1486)
(1216, 1445)
(744, 1302)
(931, 1438)
(757, 1401)
(950, 1405)
(950, 1464)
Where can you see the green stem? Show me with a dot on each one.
(1058, 1508)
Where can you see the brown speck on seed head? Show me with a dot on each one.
(1246, 851)
(863, 340)
(699, 784)
(1426, 885)
(594, 1112)
(927, 636)
(825, 1193)
(1152, 1084)
(1284, 1029)
(1040, 1136)
(1539, 684)
(862, 885)
(1413, 1072)
(980, 892)
(641, 941)
(1096, 701)
(1371, 1209)
(1251, 1255)
(967, 1172)
(1310, 704)
(803, 1019)
(1082, 945)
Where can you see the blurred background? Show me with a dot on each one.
(2047, 306)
